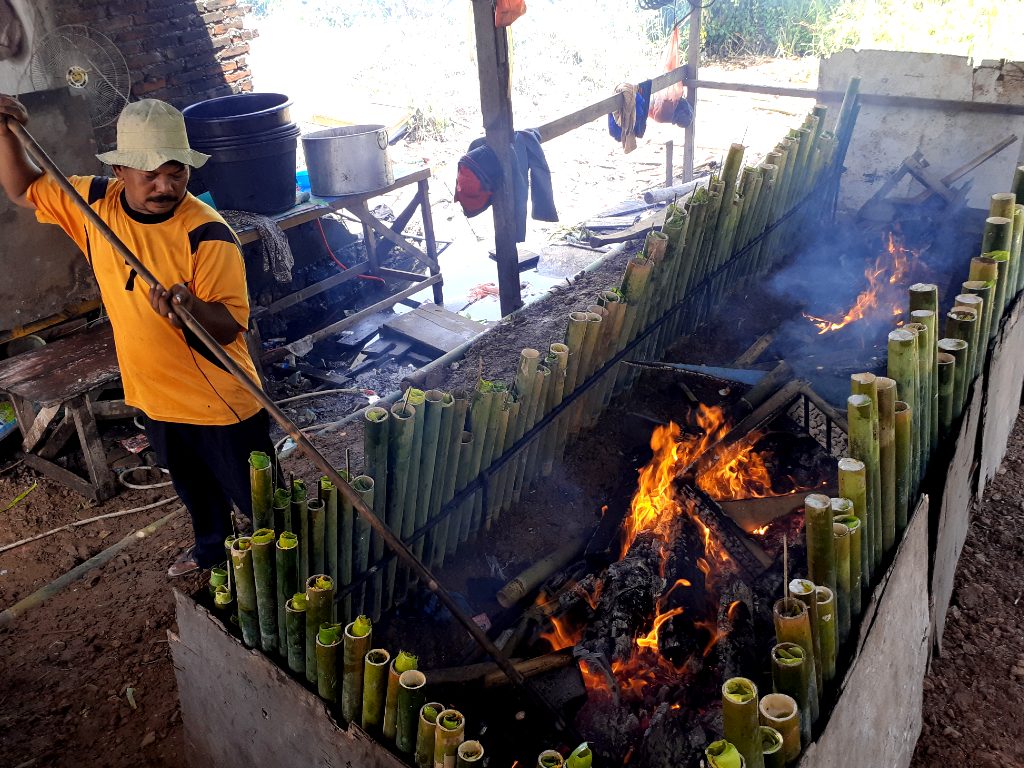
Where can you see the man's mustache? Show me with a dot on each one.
(162, 199)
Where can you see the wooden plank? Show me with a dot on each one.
(368, 219)
(403, 218)
(434, 328)
(401, 274)
(61, 475)
(970, 165)
(309, 291)
(113, 409)
(58, 438)
(92, 449)
(639, 229)
(928, 179)
(39, 425)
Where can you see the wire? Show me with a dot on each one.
(367, 393)
(142, 487)
(327, 245)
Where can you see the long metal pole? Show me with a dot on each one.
(393, 542)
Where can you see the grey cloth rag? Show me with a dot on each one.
(277, 254)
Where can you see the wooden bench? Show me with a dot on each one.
(64, 380)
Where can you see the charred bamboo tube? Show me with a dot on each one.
(434, 400)
(970, 301)
(245, 590)
(983, 291)
(319, 601)
(261, 482)
(821, 558)
(781, 712)
(469, 754)
(904, 463)
(376, 441)
(410, 700)
(843, 515)
(287, 572)
(740, 723)
(828, 631)
(842, 549)
(803, 590)
(771, 747)
(558, 366)
(328, 640)
(333, 530)
(925, 297)
(793, 625)
(356, 603)
(550, 758)
(375, 689)
(867, 384)
(958, 348)
(415, 398)
(853, 486)
(400, 440)
(523, 584)
(317, 535)
(300, 521)
(295, 619)
(425, 734)
(455, 459)
(886, 389)
(448, 734)
(263, 556)
(986, 270)
(903, 368)
(358, 639)
(283, 511)
(403, 662)
(947, 374)
(722, 754)
(862, 447)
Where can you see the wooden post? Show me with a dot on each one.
(496, 108)
(692, 66)
(430, 242)
(669, 147)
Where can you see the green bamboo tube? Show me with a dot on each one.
(287, 577)
(454, 460)
(218, 578)
(886, 389)
(263, 556)
(1002, 259)
(634, 286)
(903, 368)
(1017, 248)
(575, 333)
(722, 754)
(425, 734)
(261, 482)
(376, 439)
(843, 515)
(963, 324)
(403, 662)
(356, 603)
(319, 602)
(771, 747)
(821, 560)
(958, 348)
(842, 549)
(245, 590)
(1017, 187)
(449, 732)
(434, 400)
(925, 297)
(375, 688)
(358, 639)
(416, 399)
(904, 463)
(533, 450)
(550, 758)
(559, 366)
(922, 439)
(970, 301)
(867, 384)
(750, 182)
(410, 699)
(283, 511)
(295, 621)
(1002, 205)
(493, 439)
(947, 374)
(503, 418)
(793, 625)
(594, 399)
(828, 631)
(740, 723)
(469, 754)
(317, 536)
(781, 712)
(587, 360)
(803, 590)
(983, 290)
(400, 440)
(444, 437)
(581, 757)
(451, 541)
(525, 388)
(228, 541)
(300, 521)
(328, 640)
(998, 234)
(986, 270)
(532, 405)
(730, 171)
(790, 677)
(926, 319)
(335, 530)
(862, 441)
(222, 601)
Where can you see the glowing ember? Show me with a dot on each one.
(760, 531)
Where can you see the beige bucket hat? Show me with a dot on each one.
(149, 134)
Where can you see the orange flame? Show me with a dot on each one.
(562, 634)
(737, 473)
(760, 531)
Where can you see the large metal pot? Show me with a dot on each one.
(347, 161)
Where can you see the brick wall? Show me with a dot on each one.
(181, 51)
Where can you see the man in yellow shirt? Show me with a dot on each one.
(199, 419)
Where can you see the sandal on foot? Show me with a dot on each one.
(184, 564)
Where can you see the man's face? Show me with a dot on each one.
(156, 191)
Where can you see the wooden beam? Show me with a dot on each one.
(368, 219)
(496, 108)
(312, 290)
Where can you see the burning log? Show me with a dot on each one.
(490, 675)
(527, 581)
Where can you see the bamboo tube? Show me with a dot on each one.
(771, 747)
(525, 387)
(335, 530)
(444, 436)
(722, 754)
(497, 428)
(821, 559)
(803, 590)
(448, 734)
(505, 419)
(903, 368)
(263, 556)
(790, 678)
(886, 389)
(958, 348)
(1002, 205)
(400, 440)
(793, 625)
(454, 460)
(1017, 248)
(842, 549)
(781, 712)
(904, 463)
(947, 373)
(228, 541)
(963, 324)
(287, 577)
(827, 629)
(588, 358)
(410, 700)
(730, 171)
(581, 757)
(283, 511)
(425, 734)
(403, 662)
(376, 439)
(317, 535)
(1002, 260)
(218, 578)
(970, 301)
(524, 583)
(451, 541)
(867, 384)
(922, 440)
(261, 482)
(300, 521)
(375, 688)
(559, 366)
(328, 640)
(295, 620)
(843, 515)
(358, 639)
(986, 270)
(533, 405)
(434, 400)
(532, 451)
(319, 601)
(356, 603)
(925, 321)
(550, 758)
(862, 442)
(925, 297)
(245, 590)
(222, 601)
(740, 722)
(470, 753)
(983, 291)
(486, 402)
(415, 398)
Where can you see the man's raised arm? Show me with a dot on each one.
(16, 171)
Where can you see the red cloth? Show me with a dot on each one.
(507, 11)
(470, 192)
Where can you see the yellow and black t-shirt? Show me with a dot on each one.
(166, 375)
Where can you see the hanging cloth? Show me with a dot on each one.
(625, 119)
